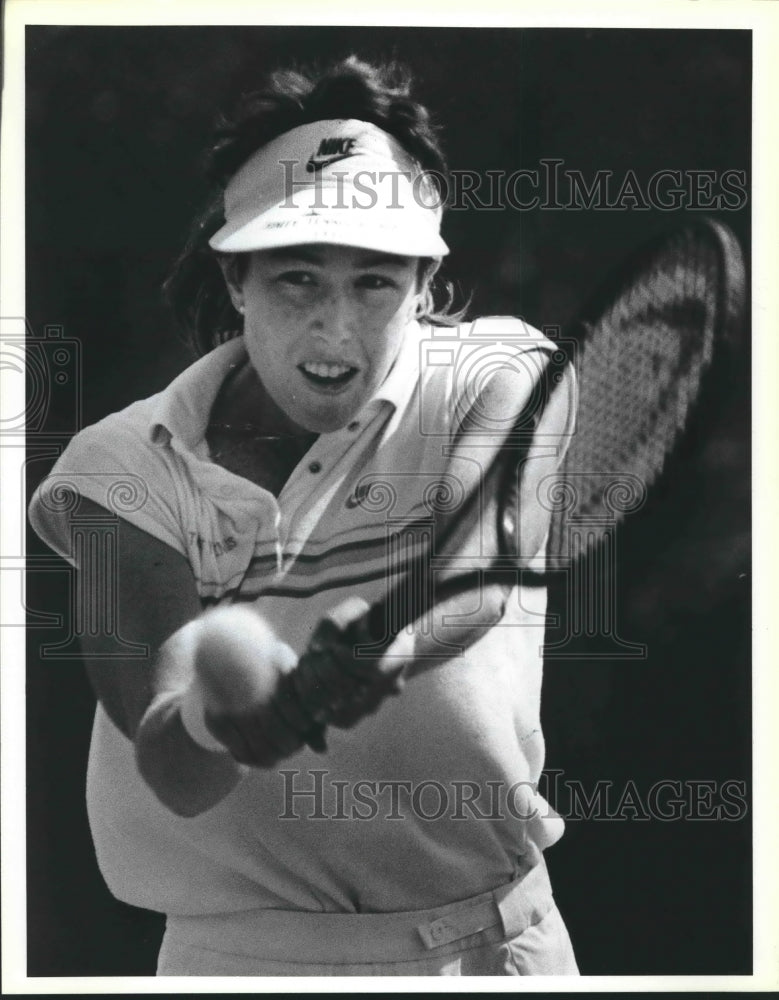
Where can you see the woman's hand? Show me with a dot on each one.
(230, 704)
(249, 697)
(263, 708)
(338, 681)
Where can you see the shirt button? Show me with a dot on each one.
(315, 467)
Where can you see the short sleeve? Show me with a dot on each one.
(115, 464)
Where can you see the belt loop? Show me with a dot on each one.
(461, 921)
(525, 901)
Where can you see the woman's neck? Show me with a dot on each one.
(243, 403)
(250, 436)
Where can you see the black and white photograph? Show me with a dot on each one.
(386, 473)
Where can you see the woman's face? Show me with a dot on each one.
(323, 325)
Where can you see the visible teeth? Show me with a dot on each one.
(325, 371)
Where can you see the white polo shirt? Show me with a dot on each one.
(427, 801)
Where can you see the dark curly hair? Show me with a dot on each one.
(351, 88)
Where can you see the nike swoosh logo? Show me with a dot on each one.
(316, 163)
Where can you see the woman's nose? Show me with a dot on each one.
(335, 316)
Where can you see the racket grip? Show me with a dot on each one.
(339, 688)
(303, 705)
(332, 686)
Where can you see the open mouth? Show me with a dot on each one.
(327, 376)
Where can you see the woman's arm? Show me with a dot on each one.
(142, 696)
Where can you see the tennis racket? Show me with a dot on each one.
(647, 340)
(644, 344)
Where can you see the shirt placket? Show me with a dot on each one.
(310, 489)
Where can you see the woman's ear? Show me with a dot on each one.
(233, 270)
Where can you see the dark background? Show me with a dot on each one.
(116, 119)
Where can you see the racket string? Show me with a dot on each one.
(642, 362)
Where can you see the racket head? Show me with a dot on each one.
(645, 342)
(643, 345)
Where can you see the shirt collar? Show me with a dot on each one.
(398, 387)
(183, 409)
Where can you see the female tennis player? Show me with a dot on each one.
(252, 777)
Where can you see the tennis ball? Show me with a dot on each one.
(239, 659)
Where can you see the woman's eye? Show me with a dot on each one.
(375, 282)
(297, 278)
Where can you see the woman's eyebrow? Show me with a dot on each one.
(295, 254)
(382, 260)
(311, 256)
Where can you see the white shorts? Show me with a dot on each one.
(515, 930)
